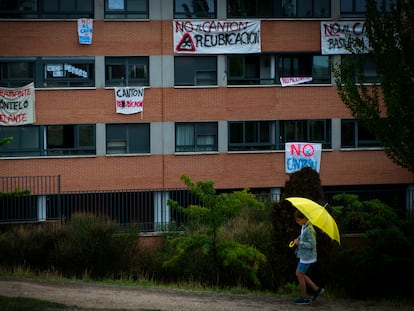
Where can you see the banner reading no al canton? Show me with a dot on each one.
(344, 37)
(17, 105)
(216, 37)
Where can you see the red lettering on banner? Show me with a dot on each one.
(13, 118)
(128, 103)
(307, 150)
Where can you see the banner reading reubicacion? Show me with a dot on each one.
(17, 105)
(216, 37)
(300, 155)
(344, 37)
(129, 100)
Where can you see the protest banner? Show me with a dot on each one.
(288, 81)
(299, 155)
(85, 30)
(345, 37)
(17, 105)
(129, 100)
(216, 37)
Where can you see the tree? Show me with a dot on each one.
(202, 238)
(386, 108)
(5, 140)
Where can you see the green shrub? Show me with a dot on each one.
(201, 252)
(31, 245)
(381, 267)
(85, 246)
(94, 246)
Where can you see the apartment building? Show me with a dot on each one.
(157, 91)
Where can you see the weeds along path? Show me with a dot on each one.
(87, 296)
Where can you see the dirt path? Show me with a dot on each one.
(83, 296)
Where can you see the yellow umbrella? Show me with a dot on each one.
(317, 215)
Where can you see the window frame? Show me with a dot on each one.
(276, 9)
(305, 132)
(74, 138)
(253, 129)
(19, 133)
(357, 141)
(125, 13)
(369, 74)
(66, 64)
(238, 71)
(355, 12)
(199, 130)
(195, 67)
(5, 72)
(193, 15)
(115, 144)
(39, 10)
(126, 62)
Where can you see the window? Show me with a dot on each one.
(196, 137)
(312, 131)
(278, 8)
(251, 135)
(126, 71)
(316, 67)
(195, 9)
(127, 138)
(243, 69)
(357, 8)
(48, 71)
(124, 9)
(46, 9)
(68, 72)
(55, 140)
(193, 71)
(365, 68)
(70, 139)
(267, 69)
(26, 141)
(354, 135)
(16, 73)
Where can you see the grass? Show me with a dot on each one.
(32, 304)
(28, 304)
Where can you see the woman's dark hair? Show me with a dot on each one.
(299, 215)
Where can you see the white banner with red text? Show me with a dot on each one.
(345, 37)
(299, 155)
(17, 105)
(129, 100)
(216, 37)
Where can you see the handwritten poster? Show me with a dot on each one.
(85, 30)
(299, 155)
(216, 37)
(17, 105)
(129, 100)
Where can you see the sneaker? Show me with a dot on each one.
(319, 291)
(302, 301)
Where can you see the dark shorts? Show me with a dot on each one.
(303, 267)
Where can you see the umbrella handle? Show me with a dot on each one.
(292, 244)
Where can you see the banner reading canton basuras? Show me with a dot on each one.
(300, 155)
(344, 37)
(17, 105)
(129, 100)
(216, 37)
